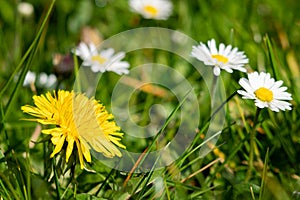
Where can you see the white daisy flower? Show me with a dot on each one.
(46, 81)
(25, 9)
(106, 60)
(152, 9)
(265, 91)
(29, 78)
(226, 58)
(41, 80)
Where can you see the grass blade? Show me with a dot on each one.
(31, 53)
(264, 176)
(272, 58)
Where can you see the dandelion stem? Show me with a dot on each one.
(252, 146)
(56, 179)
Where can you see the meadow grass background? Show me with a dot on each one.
(267, 31)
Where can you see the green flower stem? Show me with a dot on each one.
(252, 146)
(213, 86)
(56, 179)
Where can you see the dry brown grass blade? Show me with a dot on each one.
(202, 169)
(36, 133)
(91, 35)
(134, 167)
(293, 64)
(284, 41)
(146, 87)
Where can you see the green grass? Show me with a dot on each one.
(267, 31)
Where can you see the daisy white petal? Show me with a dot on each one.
(225, 58)
(82, 50)
(228, 69)
(260, 104)
(29, 78)
(212, 46)
(46, 81)
(278, 85)
(108, 53)
(217, 71)
(25, 9)
(246, 85)
(245, 94)
(228, 50)
(283, 105)
(283, 96)
(105, 60)
(152, 9)
(266, 92)
(221, 49)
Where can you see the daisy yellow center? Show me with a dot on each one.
(99, 59)
(264, 94)
(220, 58)
(151, 10)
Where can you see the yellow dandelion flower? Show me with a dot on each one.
(78, 120)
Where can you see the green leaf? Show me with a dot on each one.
(43, 188)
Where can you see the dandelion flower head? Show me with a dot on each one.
(78, 120)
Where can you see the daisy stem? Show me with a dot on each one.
(252, 146)
(213, 86)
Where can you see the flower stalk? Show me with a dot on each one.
(252, 146)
